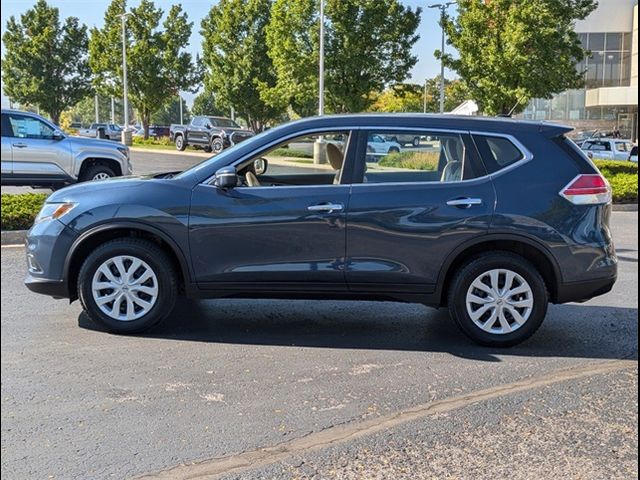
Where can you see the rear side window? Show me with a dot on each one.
(7, 130)
(497, 152)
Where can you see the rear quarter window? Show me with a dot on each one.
(497, 152)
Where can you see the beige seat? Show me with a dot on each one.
(251, 179)
(454, 153)
(336, 160)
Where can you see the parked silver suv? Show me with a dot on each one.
(37, 153)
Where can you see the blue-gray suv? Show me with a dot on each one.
(493, 218)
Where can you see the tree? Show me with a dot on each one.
(158, 67)
(406, 97)
(205, 104)
(511, 51)
(236, 60)
(85, 111)
(368, 46)
(170, 113)
(45, 61)
(455, 92)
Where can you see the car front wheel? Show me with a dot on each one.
(96, 173)
(127, 285)
(180, 143)
(498, 299)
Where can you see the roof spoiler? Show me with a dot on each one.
(551, 130)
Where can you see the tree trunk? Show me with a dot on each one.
(146, 119)
(55, 118)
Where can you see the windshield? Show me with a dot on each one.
(224, 122)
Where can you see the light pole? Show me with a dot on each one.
(321, 66)
(180, 100)
(319, 146)
(443, 11)
(126, 137)
(426, 82)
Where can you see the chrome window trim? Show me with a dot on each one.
(526, 153)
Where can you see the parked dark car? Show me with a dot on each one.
(213, 134)
(496, 220)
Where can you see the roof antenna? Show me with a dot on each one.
(510, 114)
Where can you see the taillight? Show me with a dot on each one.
(588, 190)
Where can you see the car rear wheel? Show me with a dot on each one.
(498, 299)
(180, 143)
(394, 150)
(127, 285)
(96, 173)
(416, 142)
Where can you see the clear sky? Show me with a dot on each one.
(91, 12)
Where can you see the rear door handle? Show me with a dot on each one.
(20, 145)
(464, 202)
(326, 207)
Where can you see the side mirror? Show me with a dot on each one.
(57, 135)
(260, 166)
(226, 178)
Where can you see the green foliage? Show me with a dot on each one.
(170, 113)
(205, 104)
(411, 160)
(153, 142)
(157, 65)
(409, 97)
(236, 60)
(623, 177)
(612, 167)
(19, 211)
(85, 111)
(289, 152)
(45, 61)
(511, 51)
(368, 46)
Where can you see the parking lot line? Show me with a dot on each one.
(253, 459)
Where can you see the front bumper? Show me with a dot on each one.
(47, 246)
(45, 286)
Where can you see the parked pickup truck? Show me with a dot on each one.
(213, 134)
(36, 153)
(607, 148)
(109, 131)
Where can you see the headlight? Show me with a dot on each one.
(124, 151)
(53, 211)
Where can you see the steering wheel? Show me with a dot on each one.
(251, 179)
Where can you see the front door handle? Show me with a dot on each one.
(464, 202)
(326, 207)
(20, 145)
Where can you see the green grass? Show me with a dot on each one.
(19, 211)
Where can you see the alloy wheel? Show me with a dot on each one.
(125, 288)
(499, 301)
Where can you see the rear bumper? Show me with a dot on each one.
(585, 290)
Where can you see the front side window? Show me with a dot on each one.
(30, 127)
(431, 157)
(597, 146)
(317, 159)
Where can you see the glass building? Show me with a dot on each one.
(610, 95)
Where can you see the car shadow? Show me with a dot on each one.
(585, 331)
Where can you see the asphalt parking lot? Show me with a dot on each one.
(306, 389)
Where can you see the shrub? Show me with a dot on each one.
(412, 160)
(615, 167)
(19, 211)
(161, 141)
(291, 153)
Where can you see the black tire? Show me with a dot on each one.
(180, 143)
(473, 269)
(96, 172)
(217, 145)
(416, 142)
(155, 258)
(394, 150)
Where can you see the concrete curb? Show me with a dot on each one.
(625, 207)
(13, 237)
